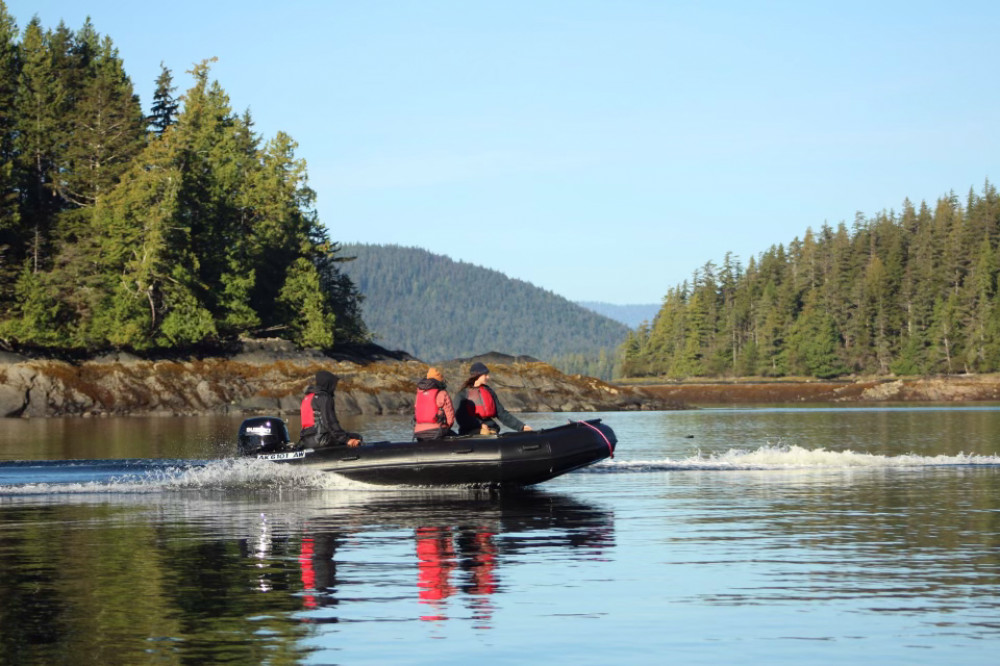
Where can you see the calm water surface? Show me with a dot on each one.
(828, 536)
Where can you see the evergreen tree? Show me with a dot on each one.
(10, 217)
(306, 307)
(40, 107)
(978, 299)
(814, 342)
(34, 317)
(344, 299)
(163, 113)
(105, 128)
(146, 244)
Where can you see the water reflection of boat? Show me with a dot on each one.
(517, 516)
(460, 544)
(262, 564)
(510, 459)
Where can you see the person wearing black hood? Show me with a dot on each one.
(320, 426)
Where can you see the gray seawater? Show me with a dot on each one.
(758, 535)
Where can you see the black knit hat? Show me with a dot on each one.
(478, 369)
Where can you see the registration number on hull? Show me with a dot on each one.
(285, 455)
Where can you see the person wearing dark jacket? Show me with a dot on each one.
(479, 409)
(320, 426)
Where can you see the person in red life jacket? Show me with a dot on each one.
(433, 412)
(435, 562)
(479, 409)
(320, 426)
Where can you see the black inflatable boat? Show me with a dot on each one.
(508, 459)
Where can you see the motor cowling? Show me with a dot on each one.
(263, 434)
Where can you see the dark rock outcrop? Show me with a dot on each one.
(271, 377)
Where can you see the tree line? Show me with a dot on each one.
(177, 229)
(905, 293)
(438, 309)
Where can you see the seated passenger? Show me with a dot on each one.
(320, 426)
(478, 406)
(433, 412)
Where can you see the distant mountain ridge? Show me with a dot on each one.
(631, 314)
(437, 309)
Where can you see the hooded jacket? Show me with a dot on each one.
(320, 426)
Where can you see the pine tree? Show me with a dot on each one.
(10, 217)
(40, 105)
(877, 296)
(35, 318)
(163, 112)
(105, 128)
(343, 297)
(944, 333)
(978, 299)
(146, 245)
(305, 306)
(814, 342)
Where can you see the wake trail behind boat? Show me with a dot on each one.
(793, 457)
(148, 476)
(156, 476)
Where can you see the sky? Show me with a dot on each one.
(602, 150)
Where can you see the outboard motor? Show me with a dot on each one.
(263, 434)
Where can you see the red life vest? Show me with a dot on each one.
(485, 407)
(426, 409)
(306, 411)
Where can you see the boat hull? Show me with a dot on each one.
(510, 459)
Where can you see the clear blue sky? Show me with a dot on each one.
(600, 150)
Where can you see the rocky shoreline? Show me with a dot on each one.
(270, 377)
(955, 388)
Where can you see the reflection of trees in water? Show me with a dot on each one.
(201, 580)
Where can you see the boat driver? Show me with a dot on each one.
(320, 427)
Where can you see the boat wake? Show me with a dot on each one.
(158, 476)
(791, 457)
(152, 476)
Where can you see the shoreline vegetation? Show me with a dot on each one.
(270, 377)
(908, 293)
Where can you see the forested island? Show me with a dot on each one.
(177, 230)
(907, 293)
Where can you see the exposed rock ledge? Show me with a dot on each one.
(271, 377)
(954, 388)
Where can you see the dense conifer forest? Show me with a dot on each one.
(180, 229)
(184, 228)
(439, 309)
(913, 292)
